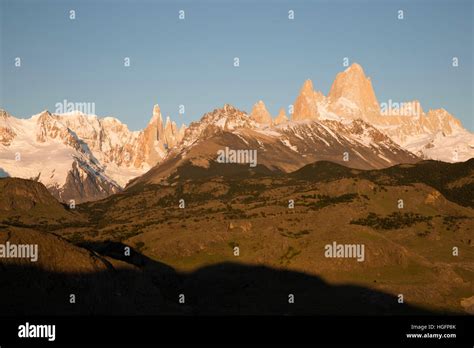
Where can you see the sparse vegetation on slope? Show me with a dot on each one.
(193, 223)
(393, 221)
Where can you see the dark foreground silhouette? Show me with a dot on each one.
(148, 287)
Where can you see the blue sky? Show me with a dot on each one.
(190, 62)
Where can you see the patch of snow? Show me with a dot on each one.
(287, 143)
(383, 157)
(269, 132)
(346, 104)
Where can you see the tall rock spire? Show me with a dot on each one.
(281, 118)
(157, 138)
(306, 104)
(352, 95)
(260, 114)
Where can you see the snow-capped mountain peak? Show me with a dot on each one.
(80, 156)
(225, 119)
(352, 95)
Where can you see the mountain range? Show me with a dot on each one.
(83, 157)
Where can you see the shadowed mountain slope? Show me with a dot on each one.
(29, 202)
(104, 285)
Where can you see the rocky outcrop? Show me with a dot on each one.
(281, 118)
(260, 114)
(306, 104)
(352, 95)
(6, 130)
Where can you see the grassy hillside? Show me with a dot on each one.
(408, 250)
(408, 218)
